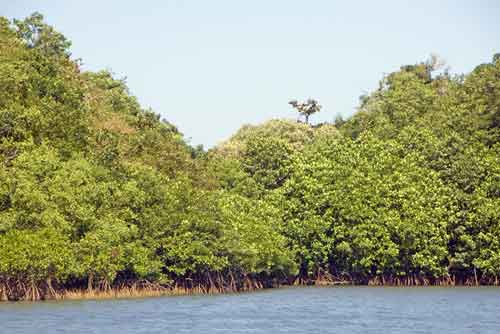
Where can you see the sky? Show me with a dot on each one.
(210, 67)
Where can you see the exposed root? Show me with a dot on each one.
(214, 283)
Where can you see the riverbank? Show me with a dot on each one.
(155, 290)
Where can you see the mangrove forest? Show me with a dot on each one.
(99, 194)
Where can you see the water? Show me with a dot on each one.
(293, 310)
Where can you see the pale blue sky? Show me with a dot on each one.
(211, 66)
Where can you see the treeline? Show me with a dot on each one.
(98, 193)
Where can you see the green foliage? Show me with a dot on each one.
(96, 191)
(28, 256)
(252, 238)
(38, 35)
(39, 92)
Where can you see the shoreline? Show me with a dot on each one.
(159, 291)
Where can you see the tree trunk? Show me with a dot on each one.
(50, 289)
(89, 282)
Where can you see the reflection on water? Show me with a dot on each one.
(293, 310)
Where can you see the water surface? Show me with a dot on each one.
(292, 310)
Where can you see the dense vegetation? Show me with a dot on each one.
(97, 192)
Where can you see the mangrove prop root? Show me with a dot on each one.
(20, 288)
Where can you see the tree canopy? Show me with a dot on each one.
(97, 191)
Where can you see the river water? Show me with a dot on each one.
(290, 310)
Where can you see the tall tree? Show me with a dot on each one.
(307, 108)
